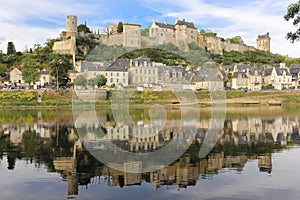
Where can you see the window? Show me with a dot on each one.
(123, 73)
(111, 80)
(124, 80)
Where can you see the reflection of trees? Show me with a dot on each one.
(31, 144)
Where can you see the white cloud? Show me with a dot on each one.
(247, 20)
(31, 21)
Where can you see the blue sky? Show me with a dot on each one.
(32, 21)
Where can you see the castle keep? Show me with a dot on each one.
(263, 42)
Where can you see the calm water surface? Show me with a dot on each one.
(47, 155)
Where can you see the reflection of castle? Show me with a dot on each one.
(79, 167)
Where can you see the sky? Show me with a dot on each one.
(33, 21)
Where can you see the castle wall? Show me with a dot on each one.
(65, 46)
(116, 39)
(132, 35)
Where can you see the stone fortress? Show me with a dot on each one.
(181, 34)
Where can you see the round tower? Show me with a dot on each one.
(71, 25)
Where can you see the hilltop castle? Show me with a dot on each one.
(181, 34)
(263, 42)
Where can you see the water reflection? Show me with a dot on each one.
(55, 144)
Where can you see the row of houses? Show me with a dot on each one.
(143, 72)
(278, 77)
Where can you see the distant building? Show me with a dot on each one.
(295, 72)
(143, 71)
(117, 73)
(15, 76)
(264, 42)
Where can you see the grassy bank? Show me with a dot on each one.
(64, 98)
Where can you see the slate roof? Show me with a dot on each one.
(243, 68)
(142, 59)
(295, 69)
(253, 70)
(119, 65)
(163, 25)
(267, 72)
(264, 36)
(187, 24)
(239, 75)
(280, 71)
(89, 66)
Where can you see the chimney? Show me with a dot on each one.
(176, 21)
(153, 20)
(165, 22)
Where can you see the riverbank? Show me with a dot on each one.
(63, 99)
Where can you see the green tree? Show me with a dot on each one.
(30, 144)
(60, 64)
(293, 12)
(1, 56)
(83, 28)
(11, 48)
(30, 71)
(3, 70)
(101, 80)
(237, 40)
(120, 27)
(80, 81)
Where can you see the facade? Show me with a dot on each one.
(143, 71)
(92, 69)
(264, 42)
(45, 78)
(281, 77)
(170, 74)
(132, 35)
(239, 80)
(255, 79)
(295, 72)
(15, 76)
(180, 34)
(117, 73)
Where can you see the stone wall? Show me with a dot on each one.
(65, 46)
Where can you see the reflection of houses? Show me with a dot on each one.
(265, 163)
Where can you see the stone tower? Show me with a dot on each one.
(71, 25)
(263, 42)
